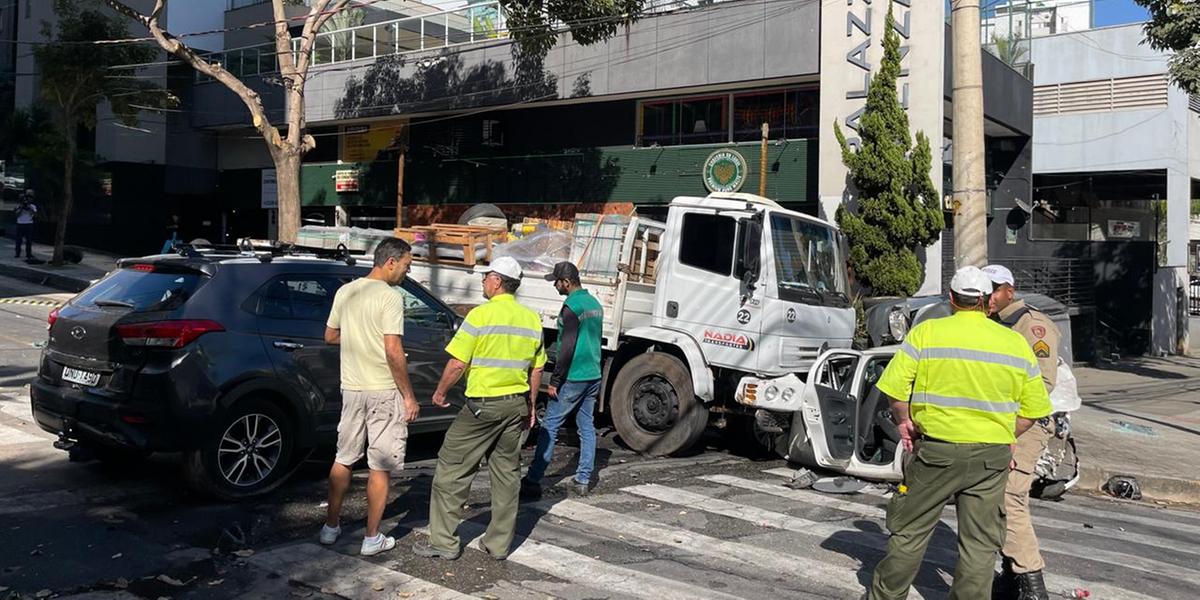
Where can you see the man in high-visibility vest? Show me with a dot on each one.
(1021, 576)
(961, 389)
(499, 346)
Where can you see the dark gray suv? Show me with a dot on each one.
(218, 354)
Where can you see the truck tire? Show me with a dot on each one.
(250, 453)
(653, 406)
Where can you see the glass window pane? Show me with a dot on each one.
(341, 45)
(658, 124)
(250, 61)
(323, 50)
(385, 39)
(364, 42)
(703, 121)
(707, 242)
(750, 111)
(801, 118)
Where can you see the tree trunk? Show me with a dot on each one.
(68, 200)
(287, 173)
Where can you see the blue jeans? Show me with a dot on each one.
(572, 394)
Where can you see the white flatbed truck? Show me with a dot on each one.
(741, 300)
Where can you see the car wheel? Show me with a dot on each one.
(653, 406)
(250, 452)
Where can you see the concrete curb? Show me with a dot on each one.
(58, 281)
(1162, 489)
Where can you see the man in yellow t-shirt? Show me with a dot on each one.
(367, 321)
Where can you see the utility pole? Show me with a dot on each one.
(762, 161)
(969, 192)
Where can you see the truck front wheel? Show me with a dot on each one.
(654, 408)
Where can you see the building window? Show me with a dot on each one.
(685, 121)
(707, 242)
(790, 113)
(1075, 218)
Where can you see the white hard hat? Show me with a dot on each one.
(971, 281)
(999, 274)
(505, 265)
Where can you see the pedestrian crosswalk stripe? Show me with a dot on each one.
(11, 435)
(1095, 554)
(335, 573)
(780, 564)
(30, 302)
(774, 489)
(943, 557)
(1052, 523)
(573, 566)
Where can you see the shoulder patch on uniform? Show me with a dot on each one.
(1041, 349)
(1038, 330)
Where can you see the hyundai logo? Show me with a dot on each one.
(78, 332)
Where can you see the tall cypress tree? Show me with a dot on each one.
(898, 208)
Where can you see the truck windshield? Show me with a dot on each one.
(808, 262)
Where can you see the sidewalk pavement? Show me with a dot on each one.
(1141, 417)
(68, 277)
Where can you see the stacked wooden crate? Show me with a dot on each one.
(467, 238)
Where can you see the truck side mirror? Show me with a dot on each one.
(750, 249)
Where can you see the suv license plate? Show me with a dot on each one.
(81, 377)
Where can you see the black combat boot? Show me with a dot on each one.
(1004, 585)
(1031, 586)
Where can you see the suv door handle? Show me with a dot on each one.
(288, 345)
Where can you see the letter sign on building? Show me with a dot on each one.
(724, 171)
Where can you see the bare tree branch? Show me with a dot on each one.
(171, 44)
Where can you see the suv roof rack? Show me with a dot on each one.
(265, 250)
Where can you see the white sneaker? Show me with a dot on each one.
(329, 535)
(379, 543)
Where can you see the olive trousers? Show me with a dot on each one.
(495, 434)
(974, 475)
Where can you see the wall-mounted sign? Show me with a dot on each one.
(362, 143)
(724, 171)
(270, 189)
(345, 181)
(1124, 229)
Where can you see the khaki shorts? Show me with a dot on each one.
(372, 423)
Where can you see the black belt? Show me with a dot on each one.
(930, 438)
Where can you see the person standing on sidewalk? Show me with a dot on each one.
(961, 389)
(575, 382)
(1021, 574)
(499, 346)
(26, 212)
(367, 321)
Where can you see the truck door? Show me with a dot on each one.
(701, 292)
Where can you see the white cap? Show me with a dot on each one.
(505, 265)
(999, 274)
(971, 281)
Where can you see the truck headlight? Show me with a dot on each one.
(772, 393)
(897, 324)
(788, 394)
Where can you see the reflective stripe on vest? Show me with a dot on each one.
(500, 341)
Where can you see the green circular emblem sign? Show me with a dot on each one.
(724, 171)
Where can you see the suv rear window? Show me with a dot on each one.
(143, 291)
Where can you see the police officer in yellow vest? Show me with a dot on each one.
(961, 388)
(499, 346)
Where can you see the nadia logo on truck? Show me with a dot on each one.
(728, 339)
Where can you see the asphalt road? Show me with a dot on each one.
(717, 524)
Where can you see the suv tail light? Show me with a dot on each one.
(165, 334)
(52, 317)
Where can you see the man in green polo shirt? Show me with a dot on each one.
(575, 382)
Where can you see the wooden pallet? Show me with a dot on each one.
(465, 237)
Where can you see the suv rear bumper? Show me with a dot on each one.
(91, 418)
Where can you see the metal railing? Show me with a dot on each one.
(1071, 281)
(1194, 296)
(443, 29)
